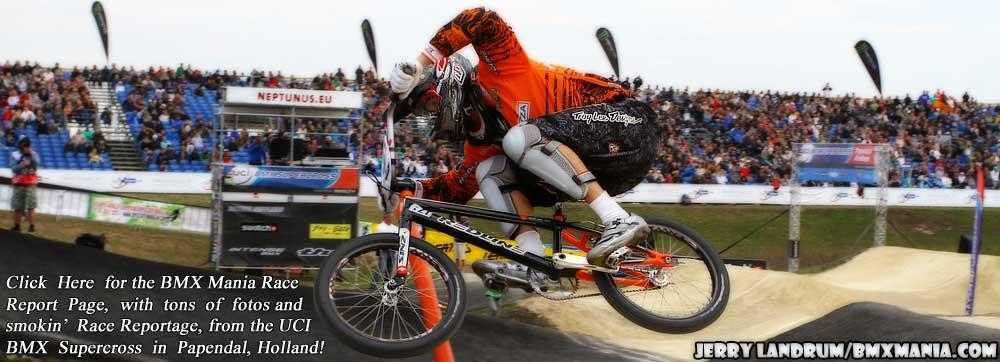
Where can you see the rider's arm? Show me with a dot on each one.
(488, 33)
(459, 185)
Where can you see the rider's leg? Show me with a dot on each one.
(599, 129)
(498, 184)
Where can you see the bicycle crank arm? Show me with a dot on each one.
(570, 261)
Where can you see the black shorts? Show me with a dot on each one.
(618, 142)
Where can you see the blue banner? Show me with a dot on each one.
(838, 162)
(290, 177)
(830, 174)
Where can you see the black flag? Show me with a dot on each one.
(608, 44)
(102, 25)
(870, 60)
(366, 31)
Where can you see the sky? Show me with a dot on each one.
(787, 45)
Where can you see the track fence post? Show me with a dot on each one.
(882, 164)
(794, 215)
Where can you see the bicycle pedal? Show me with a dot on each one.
(494, 294)
(570, 261)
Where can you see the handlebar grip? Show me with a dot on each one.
(403, 184)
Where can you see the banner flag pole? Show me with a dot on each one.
(977, 230)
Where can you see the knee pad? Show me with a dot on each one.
(525, 145)
(496, 179)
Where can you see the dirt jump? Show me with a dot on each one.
(764, 304)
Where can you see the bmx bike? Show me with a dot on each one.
(368, 289)
(395, 295)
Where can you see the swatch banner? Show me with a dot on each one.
(249, 178)
(124, 210)
(102, 24)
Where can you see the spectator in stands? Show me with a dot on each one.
(256, 151)
(166, 155)
(9, 139)
(94, 157)
(76, 144)
(992, 177)
(24, 165)
(99, 142)
(106, 116)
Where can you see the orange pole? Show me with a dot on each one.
(428, 295)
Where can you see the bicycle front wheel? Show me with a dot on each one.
(671, 282)
(368, 313)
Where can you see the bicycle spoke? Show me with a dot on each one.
(361, 295)
(685, 287)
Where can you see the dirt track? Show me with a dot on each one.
(764, 304)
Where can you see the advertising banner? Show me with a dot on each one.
(124, 210)
(248, 178)
(293, 97)
(284, 234)
(838, 162)
(126, 181)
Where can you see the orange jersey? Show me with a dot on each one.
(523, 88)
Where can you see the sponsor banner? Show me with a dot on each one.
(199, 183)
(80, 205)
(126, 181)
(838, 162)
(811, 196)
(248, 178)
(329, 231)
(257, 234)
(838, 174)
(52, 202)
(292, 97)
(129, 211)
(838, 155)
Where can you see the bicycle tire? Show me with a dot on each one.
(638, 315)
(451, 318)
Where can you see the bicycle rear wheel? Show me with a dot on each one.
(354, 298)
(671, 282)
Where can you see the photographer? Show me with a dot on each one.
(24, 164)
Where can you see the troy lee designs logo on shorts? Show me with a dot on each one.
(609, 117)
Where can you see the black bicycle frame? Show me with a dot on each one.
(423, 212)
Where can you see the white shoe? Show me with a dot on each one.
(616, 240)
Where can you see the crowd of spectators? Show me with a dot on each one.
(43, 97)
(154, 96)
(721, 137)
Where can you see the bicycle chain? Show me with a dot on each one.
(572, 297)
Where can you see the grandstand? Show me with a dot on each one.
(197, 107)
(713, 137)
